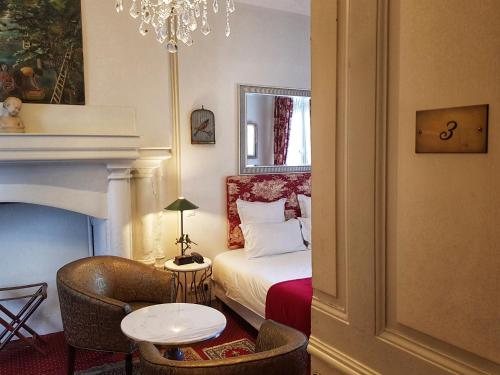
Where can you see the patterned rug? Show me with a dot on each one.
(230, 349)
(227, 350)
(238, 337)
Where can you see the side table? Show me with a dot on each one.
(174, 325)
(199, 274)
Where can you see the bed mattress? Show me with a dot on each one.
(247, 281)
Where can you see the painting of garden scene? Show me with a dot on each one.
(41, 53)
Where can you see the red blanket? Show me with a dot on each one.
(289, 303)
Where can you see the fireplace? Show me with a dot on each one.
(98, 181)
(36, 242)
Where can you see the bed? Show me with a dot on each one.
(274, 287)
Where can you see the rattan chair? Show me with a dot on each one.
(280, 350)
(96, 293)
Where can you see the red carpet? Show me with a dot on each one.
(20, 360)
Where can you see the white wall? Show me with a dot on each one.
(35, 242)
(266, 47)
(124, 68)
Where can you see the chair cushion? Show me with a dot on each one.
(139, 305)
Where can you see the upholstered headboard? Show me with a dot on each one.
(263, 188)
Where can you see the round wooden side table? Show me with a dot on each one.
(195, 288)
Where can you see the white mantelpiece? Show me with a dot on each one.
(37, 170)
(149, 196)
(68, 147)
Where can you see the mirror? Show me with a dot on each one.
(275, 130)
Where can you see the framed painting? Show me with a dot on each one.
(41, 53)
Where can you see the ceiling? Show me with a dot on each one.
(294, 6)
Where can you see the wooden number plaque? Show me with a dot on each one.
(453, 130)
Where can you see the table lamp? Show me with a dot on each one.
(182, 204)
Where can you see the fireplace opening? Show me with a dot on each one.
(35, 241)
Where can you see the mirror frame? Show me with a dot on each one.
(265, 90)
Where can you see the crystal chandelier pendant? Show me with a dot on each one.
(174, 20)
(134, 10)
(171, 46)
(205, 29)
(143, 29)
(119, 6)
(230, 6)
(193, 24)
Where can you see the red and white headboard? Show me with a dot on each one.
(263, 188)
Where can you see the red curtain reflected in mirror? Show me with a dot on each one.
(283, 110)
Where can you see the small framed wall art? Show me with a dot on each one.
(202, 127)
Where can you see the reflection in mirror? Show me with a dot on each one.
(275, 130)
(251, 141)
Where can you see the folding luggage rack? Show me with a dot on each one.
(19, 320)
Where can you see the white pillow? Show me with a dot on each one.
(305, 205)
(305, 226)
(262, 239)
(261, 212)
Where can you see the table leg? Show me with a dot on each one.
(205, 294)
(185, 287)
(174, 354)
(177, 285)
(195, 286)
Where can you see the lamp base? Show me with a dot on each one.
(180, 260)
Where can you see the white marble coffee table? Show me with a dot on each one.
(174, 325)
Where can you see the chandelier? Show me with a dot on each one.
(175, 20)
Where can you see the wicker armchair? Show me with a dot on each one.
(96, 293)
(280, 350)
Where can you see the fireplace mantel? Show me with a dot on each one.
(39, 147)
(116, 153)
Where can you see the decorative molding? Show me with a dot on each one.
(334, 312)
(336, 359)
(176, 115)
(89, 203)
(155, 153)
(381, 164)
(274, 169)
(150, 159)
(119, 171)
(176, 130)
(16, 148)
(326, 155)
(270, 90)
(428, 353)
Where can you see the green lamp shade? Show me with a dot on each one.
(181, 204)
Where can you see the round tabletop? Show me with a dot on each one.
(174, 324)
(191, 267)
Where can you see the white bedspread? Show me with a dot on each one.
(247, 280)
